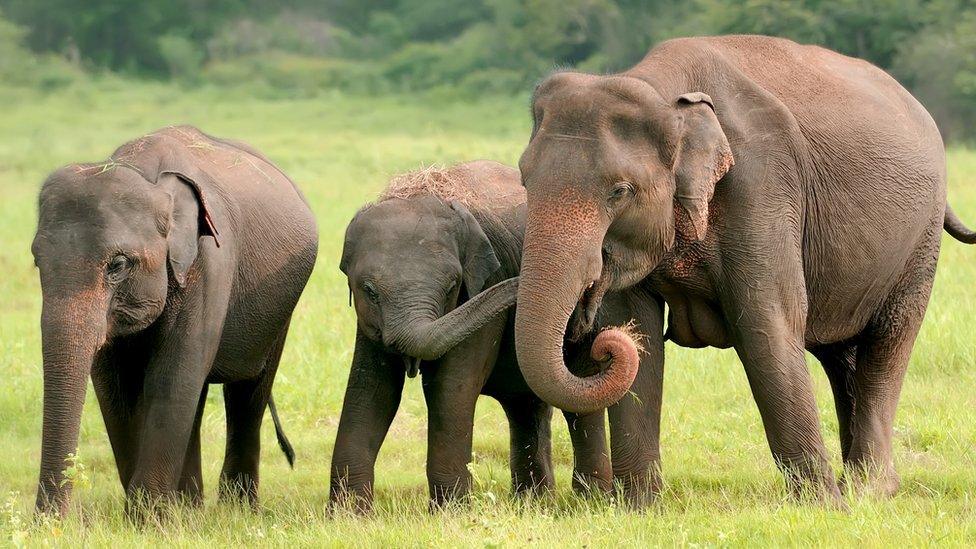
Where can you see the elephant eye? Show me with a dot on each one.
(621, 190)
(371, 292)
(117, 268)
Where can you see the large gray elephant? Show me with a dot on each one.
(778, 197)
(418, 262)
(173, 265)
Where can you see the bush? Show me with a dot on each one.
(20, 67)
(182, 57)
(296, 75)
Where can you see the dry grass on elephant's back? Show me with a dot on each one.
(478, 185)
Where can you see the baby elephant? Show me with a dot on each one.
(417, 262)
(175, 264)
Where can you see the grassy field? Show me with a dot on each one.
(722, 487)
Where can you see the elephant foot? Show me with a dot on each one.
(357, 500)
(812, 480)
(191, 492)
(870, 481)
(639, 490)
(143, 506)
(446, 495)
(586, 483)
(241, 488)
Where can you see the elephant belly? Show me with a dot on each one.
(693, 322)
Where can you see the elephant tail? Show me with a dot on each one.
(956, 228)
(280, 433)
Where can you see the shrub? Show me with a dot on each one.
(182, 57)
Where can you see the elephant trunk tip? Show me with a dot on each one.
(621, 346)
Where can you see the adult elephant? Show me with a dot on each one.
(175, 264)
(779, 197)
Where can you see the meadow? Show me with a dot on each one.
(722, 486)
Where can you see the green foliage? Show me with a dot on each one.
(939, 66)
(495, 46)
(182, 56)
(20, 67)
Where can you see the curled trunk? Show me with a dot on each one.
(430, 339)
(559, 260)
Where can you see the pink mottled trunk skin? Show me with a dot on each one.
(561, 257)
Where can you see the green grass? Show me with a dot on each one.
(722, 487)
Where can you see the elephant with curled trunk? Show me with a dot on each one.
(778, 197)
(173, 265)
(419, 264)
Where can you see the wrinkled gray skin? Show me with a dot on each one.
(416, 268)
(138, 294)
(779, 198)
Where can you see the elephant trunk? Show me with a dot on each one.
(562, 259)
(429, 339)
(70, 340)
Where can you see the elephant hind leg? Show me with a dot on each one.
(883, 354)
(877, 381)
(838, 361)
(245, 403)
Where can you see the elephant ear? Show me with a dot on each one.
(478, 259)
(702, 158)
(190, 219)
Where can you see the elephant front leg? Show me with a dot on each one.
(591, 459)
(172, 400)
(530, 457)
(190, 485)
(371, 401)
(451, 397)
(635, 432)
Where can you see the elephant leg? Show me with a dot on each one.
(635, 421)
(370, 404)
(117, 379)
(451, 389)
(530, 455)
(591, 458)
(191, 481)
(881, 366)
(838, 362)
(451, 394)
(245, 403)
(173, 385)
(769, 340)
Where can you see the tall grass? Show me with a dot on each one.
(722, 487)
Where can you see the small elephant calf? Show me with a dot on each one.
(417, 263)
(173, 265)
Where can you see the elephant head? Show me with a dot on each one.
(611, 169)
(409, 262)
(111, 241)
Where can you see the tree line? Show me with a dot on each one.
(480, 46)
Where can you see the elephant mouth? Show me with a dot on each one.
(412, 365)
(584, 315)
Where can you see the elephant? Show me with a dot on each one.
(174, 264)
(417, 262)
(776, 197)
